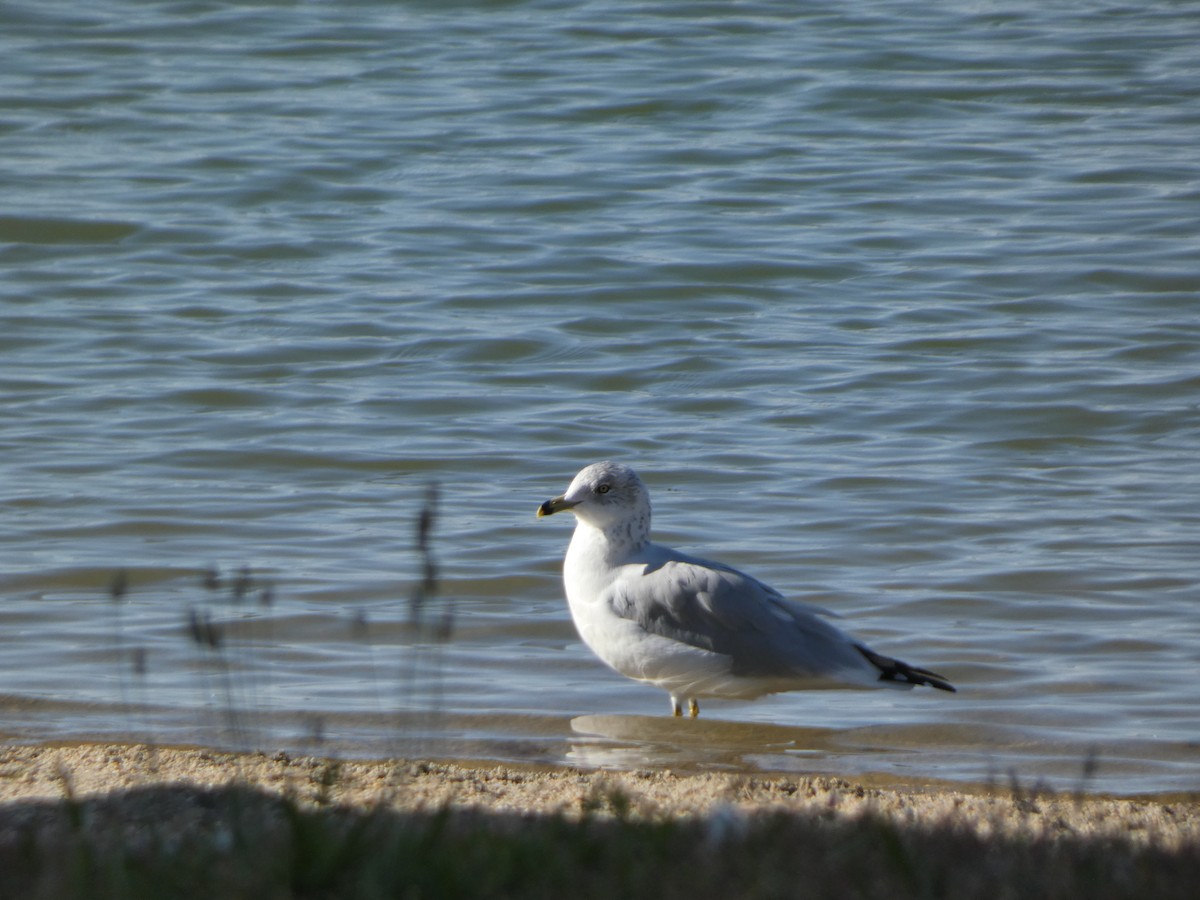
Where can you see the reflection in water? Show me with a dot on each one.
(625, 741)
(914, 754)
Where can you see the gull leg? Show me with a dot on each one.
(676, 709)
(693, 707)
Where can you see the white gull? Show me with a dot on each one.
(692, 627)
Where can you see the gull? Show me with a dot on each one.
(692, 627)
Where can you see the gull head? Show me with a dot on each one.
(605, 495)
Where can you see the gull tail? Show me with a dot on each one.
(893, 670)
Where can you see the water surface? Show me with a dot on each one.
(894, 306)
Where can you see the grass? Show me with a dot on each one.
(230, 624)
(239, 842)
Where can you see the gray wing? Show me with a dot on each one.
(718, 608)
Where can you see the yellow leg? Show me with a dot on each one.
(693, 708)
(676, 709)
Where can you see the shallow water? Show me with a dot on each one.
(894, 307)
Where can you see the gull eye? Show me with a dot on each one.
(603, 489)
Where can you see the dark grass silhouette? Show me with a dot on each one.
(229, 626)
(238, 842)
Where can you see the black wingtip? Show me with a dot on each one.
(902, 673)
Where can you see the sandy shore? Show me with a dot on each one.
(172, 788)
(49, 773)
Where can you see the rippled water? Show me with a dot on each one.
(894, 305)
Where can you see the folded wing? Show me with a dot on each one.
(718, 608)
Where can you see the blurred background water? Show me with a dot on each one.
(894, 305)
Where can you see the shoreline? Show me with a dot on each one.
(133, 759)
(145, 806)
(81, 770)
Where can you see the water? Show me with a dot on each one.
(894, 305)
